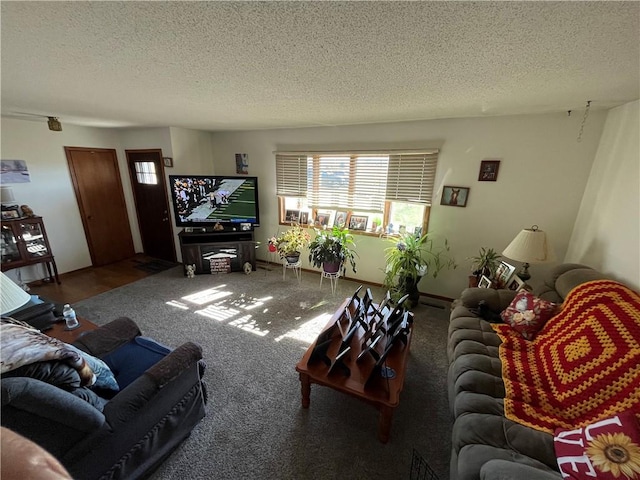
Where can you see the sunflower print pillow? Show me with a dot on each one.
(605, 450)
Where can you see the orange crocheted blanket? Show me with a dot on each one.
(582, 367)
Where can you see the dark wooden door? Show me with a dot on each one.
(152, 204)
(96, 181)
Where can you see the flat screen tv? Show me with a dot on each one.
(204, 200)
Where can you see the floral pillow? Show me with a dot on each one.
(606, 450)
(527, 314)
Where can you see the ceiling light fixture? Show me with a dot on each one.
(54, 124)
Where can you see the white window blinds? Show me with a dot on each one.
(355, 182)
(411, 177)
(291, 175)
(360, 181)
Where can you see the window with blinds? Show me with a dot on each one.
(411, 177)
(360, 183)
(291, 175)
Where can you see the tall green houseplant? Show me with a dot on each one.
(333, 247)
(411, 258)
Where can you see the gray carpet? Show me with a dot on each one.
(255, 427)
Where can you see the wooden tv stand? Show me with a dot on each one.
(198, 247)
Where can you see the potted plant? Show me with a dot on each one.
(411, 258)
(332, 250)
(291, 242)
(485, 263)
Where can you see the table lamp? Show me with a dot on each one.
(529, 246)
(6, 196)
(12, 296)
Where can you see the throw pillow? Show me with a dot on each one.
(606, 450)
(527, 314)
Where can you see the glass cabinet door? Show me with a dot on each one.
(34, 240)
(9, 245)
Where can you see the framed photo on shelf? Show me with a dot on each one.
(485, 282)
(515, 283)
(454, 196)
(341, 219)
(488, 170)
(292, 216)
(503, 274)
(358, 222)
(322, 219)
(11, 214)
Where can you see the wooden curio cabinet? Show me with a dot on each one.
(24, 242)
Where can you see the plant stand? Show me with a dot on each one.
(272, 257)
(333, 278)
(293, 266)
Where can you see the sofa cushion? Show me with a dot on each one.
(527, 314)
(134, 358)
(469, 329)
(607, 450)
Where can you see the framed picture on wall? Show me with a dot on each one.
(454, 196)
(488, 170)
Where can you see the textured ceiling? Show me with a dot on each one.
(252, 65)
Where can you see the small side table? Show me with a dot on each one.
(59, 330)
(293, 266)
(333, 278)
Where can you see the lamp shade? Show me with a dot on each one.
(6, 195)
(530, 246)
(11, 295)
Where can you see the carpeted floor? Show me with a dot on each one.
(253, 330)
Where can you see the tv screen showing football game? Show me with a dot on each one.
(204, 200)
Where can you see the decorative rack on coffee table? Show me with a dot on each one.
(362, 352)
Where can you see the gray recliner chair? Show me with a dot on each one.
(125, 436)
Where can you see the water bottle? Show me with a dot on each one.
(69, 315)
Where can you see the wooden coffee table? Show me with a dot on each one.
(382, 393)
(61, 332)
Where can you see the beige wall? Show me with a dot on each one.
(541, 180)
(50, 193)
(607, 231)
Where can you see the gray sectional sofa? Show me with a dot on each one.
(485, 444)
